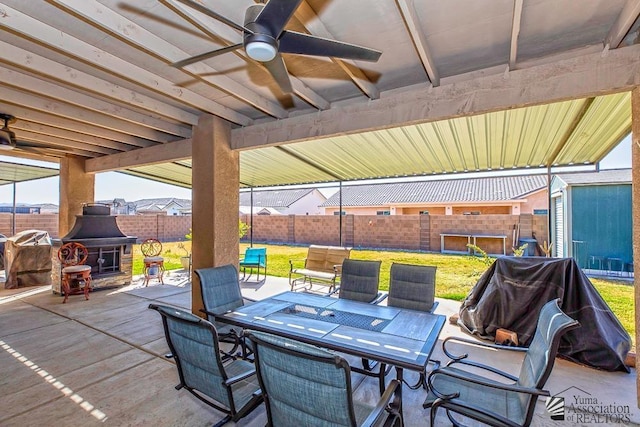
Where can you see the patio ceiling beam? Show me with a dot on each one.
(580, 77)
(310, 20)
(27, 60)
(408, 11)
(56, 142)
(61, 108)
(621, 27)
(91, 103)
(163, 153)
(47, 119)
(53, 38)
(204, 23)
(515, 33)
(111, 22)
(68, 135)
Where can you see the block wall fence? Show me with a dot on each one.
(412, 232)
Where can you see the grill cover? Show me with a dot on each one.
(28, 259)
(512, 291)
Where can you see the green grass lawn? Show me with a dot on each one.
(455, 276)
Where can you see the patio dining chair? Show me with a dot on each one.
(494, 402)
(412, 287)
(230, 388)
(220, 291)
(360, 280)
(254, 258)
(305, 385)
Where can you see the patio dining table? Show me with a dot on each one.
(400, 337)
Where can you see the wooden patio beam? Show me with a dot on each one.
(580, 77)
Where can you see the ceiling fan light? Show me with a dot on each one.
(261, 51)
(7, 136)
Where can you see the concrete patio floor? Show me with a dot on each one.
(100, 362)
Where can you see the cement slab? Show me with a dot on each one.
(109, 353)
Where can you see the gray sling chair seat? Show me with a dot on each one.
(304, 385)
(220, 290)
(493, 402)
(231, 388)
(360, 280)
(412, 287)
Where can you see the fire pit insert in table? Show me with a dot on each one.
(346, 318)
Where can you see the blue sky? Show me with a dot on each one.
(111, 185)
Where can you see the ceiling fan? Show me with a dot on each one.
(7, 136)
(264, 39)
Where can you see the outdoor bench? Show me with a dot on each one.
(322, 265)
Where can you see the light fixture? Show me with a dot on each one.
(261, 51)
(7, 137)
(260, 47)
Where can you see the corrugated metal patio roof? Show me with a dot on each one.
(14, 172)
(576, 132)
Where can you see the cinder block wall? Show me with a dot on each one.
(267, 228)
(162, 227)
(412, 232)
(393, 232)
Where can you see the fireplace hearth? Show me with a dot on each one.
(110, 250)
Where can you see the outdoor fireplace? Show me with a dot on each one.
(110, 250)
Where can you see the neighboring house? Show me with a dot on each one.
(513, 195)
(21, 208)
(246, 210)
(120, 206)
(591, 219)
(49, 208)
(303, 201)
(165, 206)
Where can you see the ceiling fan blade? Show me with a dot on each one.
(278, 70)
(276, 14)
(306, 44)
(206, 55)
(200, 8)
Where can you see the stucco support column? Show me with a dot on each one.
(635, 211)
(215, 185)
(76, 188)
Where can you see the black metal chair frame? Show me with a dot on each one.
(384, 370)
(485, 415)
(233, 337)
(384, 405)
(233, 414)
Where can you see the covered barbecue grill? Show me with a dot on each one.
(512, 291)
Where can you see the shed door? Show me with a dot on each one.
(559, 229)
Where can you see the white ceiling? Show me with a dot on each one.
(462, 85)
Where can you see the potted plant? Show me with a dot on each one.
(186, 259)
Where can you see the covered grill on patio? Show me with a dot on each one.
(110, 250)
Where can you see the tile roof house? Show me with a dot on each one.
(304, 201)
(487, 195)
(163, 206)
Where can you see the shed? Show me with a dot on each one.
(591, 219)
